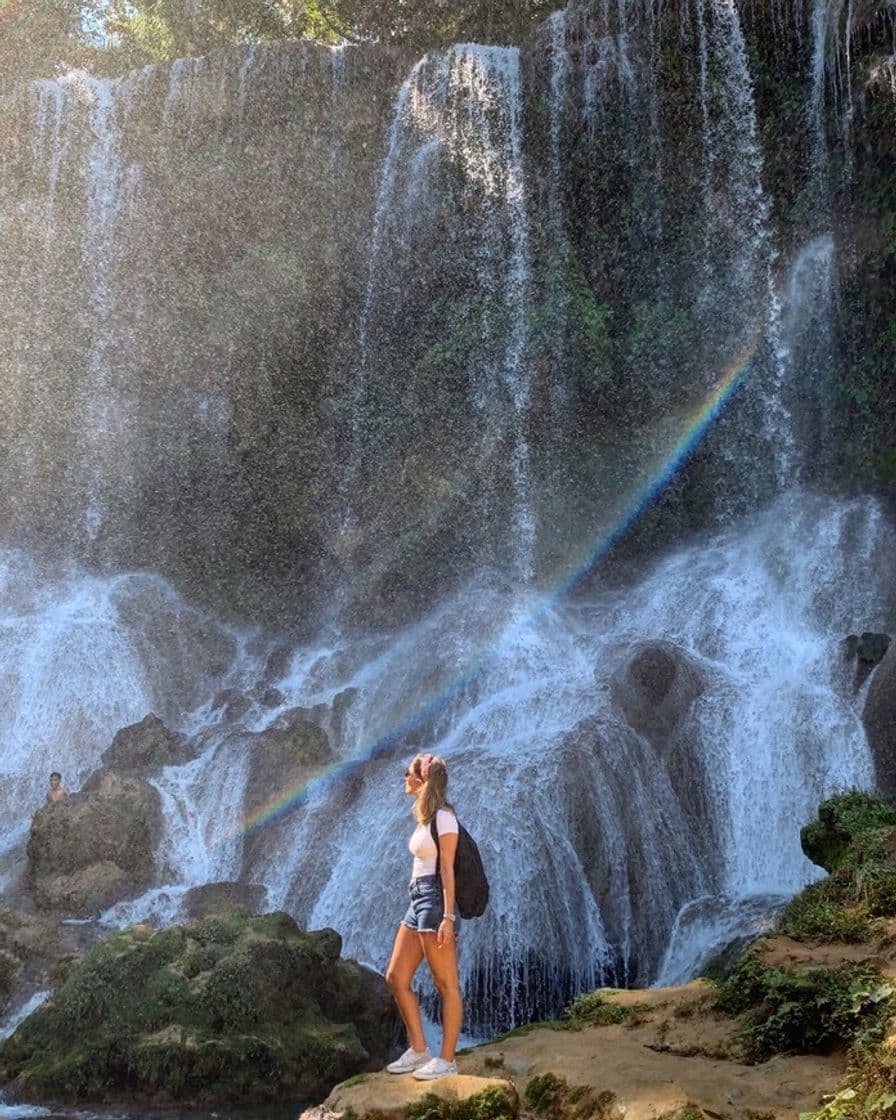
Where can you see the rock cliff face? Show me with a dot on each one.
(272, 296)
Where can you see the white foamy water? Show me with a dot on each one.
(81, 657)
(576, 812)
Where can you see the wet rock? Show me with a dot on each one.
(234, 703)
(866, 651)
(228, 1009)
(144, 746)
(655, 690)
(285, 753)
(222, 898)
(272, 698)
(879, 718)
(95, 847)
(285, 756)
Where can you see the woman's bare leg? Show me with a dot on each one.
(407, 953)
(442, 959)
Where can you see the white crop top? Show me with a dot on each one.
(423, 847)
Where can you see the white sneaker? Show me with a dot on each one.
(435, 1069)
(410, 1060)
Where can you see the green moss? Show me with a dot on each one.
(594, 1009)
(493, 1103)
(549, 1096)
(817, 914)
(224, 1009)
(841, 819)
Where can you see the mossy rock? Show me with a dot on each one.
(225, 1009)
(840, 820)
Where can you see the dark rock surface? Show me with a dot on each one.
(286, 755)
(144, 746)
(879, 718)
(222, 898)
(655, 690)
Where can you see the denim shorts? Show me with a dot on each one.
(427, 906)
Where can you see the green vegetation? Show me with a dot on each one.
(854, 838)
(494, 1103)
(112, 35)
(812, 1011)
(550, 1097)
(595, 1009)
(224, 1009)
(841, 819)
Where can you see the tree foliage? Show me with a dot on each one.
(37, 35)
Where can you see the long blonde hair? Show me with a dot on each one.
(433, 794)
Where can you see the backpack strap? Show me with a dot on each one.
(434, 831)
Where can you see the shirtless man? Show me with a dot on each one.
(56, 792)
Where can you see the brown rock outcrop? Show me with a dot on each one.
(97, 846)
(144, 746)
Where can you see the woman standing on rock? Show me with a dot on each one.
(427, 929)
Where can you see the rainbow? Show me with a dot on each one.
(632, 504)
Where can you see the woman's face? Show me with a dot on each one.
(412, 781)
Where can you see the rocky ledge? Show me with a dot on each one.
(802, 1024)
(237, 1008)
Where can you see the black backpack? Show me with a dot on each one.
(470, 883)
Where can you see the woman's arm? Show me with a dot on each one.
(447, 850)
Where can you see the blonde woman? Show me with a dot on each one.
(428, 928)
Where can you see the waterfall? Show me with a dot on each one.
(617, 854)
(461, 110)
(81, 657)
(628, 832)
(107, 412)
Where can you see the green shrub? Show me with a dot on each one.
(813, 1011)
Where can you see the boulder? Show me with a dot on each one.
(879, 718)
(864, 652)
(144, 746)
(285, 756)
(96, 846)
(28, 936)
(227, 1009)
(89, 890)
(655, 689)
(222, 898)
(388, 1097)
(841, 819)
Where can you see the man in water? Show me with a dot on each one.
(56, 792)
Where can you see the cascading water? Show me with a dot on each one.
(460, 112)
(628, 830)
(82, 657)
